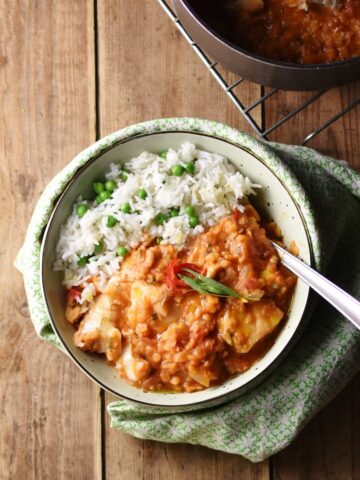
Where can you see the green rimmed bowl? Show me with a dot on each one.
(281, 199)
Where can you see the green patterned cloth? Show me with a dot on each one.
(265, 420)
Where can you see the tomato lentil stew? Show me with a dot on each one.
(163, 335)
(287, 30)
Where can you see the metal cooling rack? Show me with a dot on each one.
(247, 110)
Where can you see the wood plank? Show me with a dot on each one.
(329, 447)
(50, 414)
(132, 458)
(147, 70)
(341, 140)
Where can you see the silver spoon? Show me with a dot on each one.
(342, 301)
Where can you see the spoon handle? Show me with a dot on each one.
(342, 301)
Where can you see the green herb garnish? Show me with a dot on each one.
(208, 286)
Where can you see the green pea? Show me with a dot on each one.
(163, 154)
(177, 170)
(123, 176)
(110, 185)
(98, 247)
(160, 218)
(174, 212)
(83, 261)
(190, 211)
(105, 195)
(142, 194)
(81, 209)
(98, 187)
(190, 167)
(111, 221)
(159, 240)
(122, 251)
(125, 208)
(193, 221)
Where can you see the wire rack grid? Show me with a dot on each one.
(247, 110)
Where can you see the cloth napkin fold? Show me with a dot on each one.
(266, 419)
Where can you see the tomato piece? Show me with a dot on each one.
(74, 293)
(236, 215)
(190, 266)
(178, 269)
(170, 278)
(174, 268)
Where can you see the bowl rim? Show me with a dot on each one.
(113, 144)
(260, 58)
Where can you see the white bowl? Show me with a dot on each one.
(276, 200)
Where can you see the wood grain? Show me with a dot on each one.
(50, 412)
(138, 459)
(341, 140)
(147, 70)
(50, 424)
(152, 73)
(329, 447)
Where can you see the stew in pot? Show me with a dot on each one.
(293, 31)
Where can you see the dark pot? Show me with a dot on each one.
(272, 73)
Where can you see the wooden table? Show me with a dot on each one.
(72, 71)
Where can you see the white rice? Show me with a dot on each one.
(214, 190)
